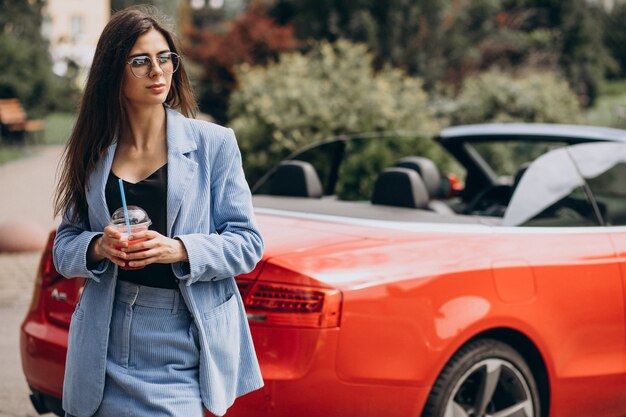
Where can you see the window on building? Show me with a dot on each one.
(77, 28)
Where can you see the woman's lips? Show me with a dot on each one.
(157, 88)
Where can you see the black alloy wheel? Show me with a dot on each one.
(485, 378)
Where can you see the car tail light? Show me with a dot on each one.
(47, 272)
(278, 304)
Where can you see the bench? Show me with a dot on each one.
(13, 119)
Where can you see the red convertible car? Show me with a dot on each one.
(388, 290)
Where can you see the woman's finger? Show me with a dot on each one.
(142, 262)
(112, 232)
(142, 254)
(140, 246)
(144, 234)
(118, 261)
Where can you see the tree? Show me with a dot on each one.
(169, 7)
(253, 38)
(449, 40)
(534, 97)
(615, 36)
(27, 68)
(584, 59)
(331, 90)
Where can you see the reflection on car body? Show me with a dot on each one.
(387, 291)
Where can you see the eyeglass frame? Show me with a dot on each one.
(151, 60)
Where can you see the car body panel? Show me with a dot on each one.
(413, 288)
(407, 306)
(43, 347)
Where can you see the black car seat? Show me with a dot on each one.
(429, 173)
(400, 187)
(295, 179)
(520, 173)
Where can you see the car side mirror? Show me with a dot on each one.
(450, 186)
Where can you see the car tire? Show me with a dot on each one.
(484, 378)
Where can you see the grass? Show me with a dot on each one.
(57, 132)
(58, 128)
(610, 107)
(10, 152)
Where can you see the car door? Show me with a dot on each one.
(580, 277)
(607, 183)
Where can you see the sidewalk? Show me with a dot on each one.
(26, 186)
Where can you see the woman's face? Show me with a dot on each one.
(146, 83)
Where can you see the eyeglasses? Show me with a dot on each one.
(141, 65)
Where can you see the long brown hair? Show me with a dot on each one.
(101, 117)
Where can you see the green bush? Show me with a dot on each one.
(332, 90)
(27, 75)
(494, 96)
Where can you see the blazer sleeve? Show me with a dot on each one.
(69, 251)
(238, 245)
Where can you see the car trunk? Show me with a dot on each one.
(58, 296)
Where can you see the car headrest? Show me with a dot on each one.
(400, 187)
(426, 169)
(296, 179)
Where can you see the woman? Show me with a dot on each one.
(171, 336)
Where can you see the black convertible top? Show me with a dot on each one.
(364, 210)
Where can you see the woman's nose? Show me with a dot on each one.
(155, 68)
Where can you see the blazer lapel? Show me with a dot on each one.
(180, 169)
(95, 192)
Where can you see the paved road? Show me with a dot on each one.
(26, 187)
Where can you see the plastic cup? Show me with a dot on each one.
(139, 221)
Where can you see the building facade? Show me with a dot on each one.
(73, 28)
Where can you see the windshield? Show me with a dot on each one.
(506, 157)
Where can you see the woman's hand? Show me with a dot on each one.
(108, 246)
(156, 248)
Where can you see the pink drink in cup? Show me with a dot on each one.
(139, 221)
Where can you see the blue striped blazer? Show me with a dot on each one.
(209, 208)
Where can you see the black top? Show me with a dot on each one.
(151, 195)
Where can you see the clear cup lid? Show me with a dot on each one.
(136, 215)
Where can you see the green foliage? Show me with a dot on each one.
(615, 36)
(22, 18)
(448, 40)
(366, 159)
(168, 7)
(11, 152)
(252, 38)
(610, 108)
(26, 73)
(27, 68)
(409, 34)
(331, 90)
(584, 58)
(495, 96)
(58, 128)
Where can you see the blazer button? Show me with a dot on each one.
(177, 281)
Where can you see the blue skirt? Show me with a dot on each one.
(153, 356)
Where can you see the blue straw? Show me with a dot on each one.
(124, 206)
